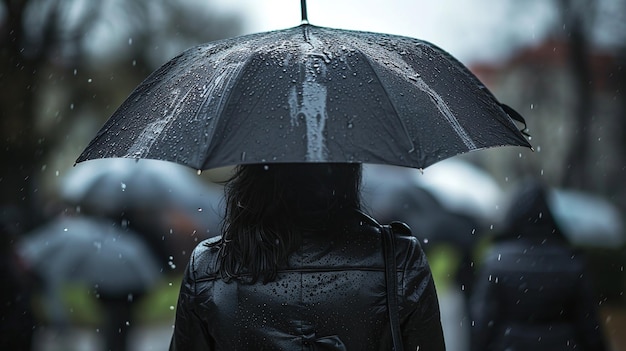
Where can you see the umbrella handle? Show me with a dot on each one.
(305, 18)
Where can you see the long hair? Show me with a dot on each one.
(268, 207)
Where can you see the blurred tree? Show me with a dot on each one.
(595, 34)
(65, 64)
(575, 17)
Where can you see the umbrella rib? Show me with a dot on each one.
(435, 97)
(447, 113)
(404, 128)
(232, 75)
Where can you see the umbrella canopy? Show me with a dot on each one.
(586, 219)
(91, 251)
(308, 94)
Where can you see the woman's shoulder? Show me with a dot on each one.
(204, 257)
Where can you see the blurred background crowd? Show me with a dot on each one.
(66, 65)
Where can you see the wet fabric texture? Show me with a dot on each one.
(330, 297)
(321, 94)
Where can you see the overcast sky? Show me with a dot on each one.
(469, 29)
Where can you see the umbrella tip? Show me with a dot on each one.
(305, 19)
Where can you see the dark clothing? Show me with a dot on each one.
(330, 297)
(17, 319)
(534, 296)
(532, 292)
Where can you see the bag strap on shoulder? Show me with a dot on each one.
(389, 251)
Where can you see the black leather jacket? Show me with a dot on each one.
(330, 297)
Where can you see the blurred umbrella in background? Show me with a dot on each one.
(97, 252)
(168, 204)
(587, 220)
(463, 187)
(393, 193)
(111, 186)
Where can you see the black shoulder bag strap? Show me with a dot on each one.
(389, 249)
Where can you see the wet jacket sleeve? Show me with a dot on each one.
(190, 332)
(421, 321)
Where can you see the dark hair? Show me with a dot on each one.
(268, 206)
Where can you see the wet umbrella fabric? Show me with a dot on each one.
(308, 94)
(91, 251)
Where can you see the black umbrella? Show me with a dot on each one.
(97, 252)
(308, 94)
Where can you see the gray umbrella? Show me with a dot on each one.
(308, 94)
(167, 191)
(92, 251)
